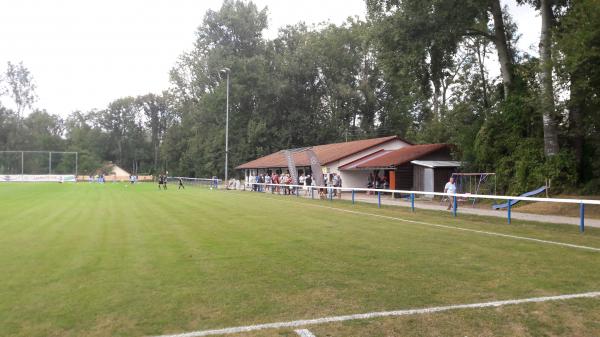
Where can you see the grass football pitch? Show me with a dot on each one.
(109, 260)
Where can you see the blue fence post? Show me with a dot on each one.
(330, 194)
(581, 217)
(378, 199)
(312, 193)
(454, 204)
(412, 202)
(509, 210)
(352, 196)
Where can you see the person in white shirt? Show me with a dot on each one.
(450, 188)
(301, 180)
(250, 182)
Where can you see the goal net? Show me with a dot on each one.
(38, 166)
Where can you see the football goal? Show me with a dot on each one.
(37, 166)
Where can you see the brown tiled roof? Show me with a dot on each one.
(276, 159)
(395, 157)
(325, 153)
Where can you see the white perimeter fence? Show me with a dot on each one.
(328, 192)
(37, 178)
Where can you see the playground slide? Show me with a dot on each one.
(528, 194)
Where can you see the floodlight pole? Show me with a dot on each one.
(227, 71)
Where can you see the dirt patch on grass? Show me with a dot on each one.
(112, 325)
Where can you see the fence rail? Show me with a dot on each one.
(453, 196)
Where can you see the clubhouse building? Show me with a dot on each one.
(423, 167)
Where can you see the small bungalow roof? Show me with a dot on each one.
(436, 163)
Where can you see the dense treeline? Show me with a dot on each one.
(421, 69)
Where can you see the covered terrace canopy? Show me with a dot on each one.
(424, 167)
(388, 159)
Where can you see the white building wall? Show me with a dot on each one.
(355, 179)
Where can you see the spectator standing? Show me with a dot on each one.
(450, 188)
(308, 184)
(262, 182)
(334, 183)
(275, 182)
(301, 181)
(250, 181)
(257, 182)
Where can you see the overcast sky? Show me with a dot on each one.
(84, 54)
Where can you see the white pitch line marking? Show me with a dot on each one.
(304, 333)
(570, 245)
(370, 315)
(469, 230)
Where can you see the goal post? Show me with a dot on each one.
(38, 166)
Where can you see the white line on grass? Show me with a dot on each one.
(570, 245)
(304, 333)
(370, 315)
(467, 229)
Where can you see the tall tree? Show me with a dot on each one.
(85, 136)
(547, 96)
(417, 44)
(501, 42)
(230, 37)
(20, 86)
(120, 120)
(577, 57)
(158, 117)
(546, 70)
(44, 131)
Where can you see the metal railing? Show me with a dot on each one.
(453, 196)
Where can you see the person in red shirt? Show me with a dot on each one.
(275, 181)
